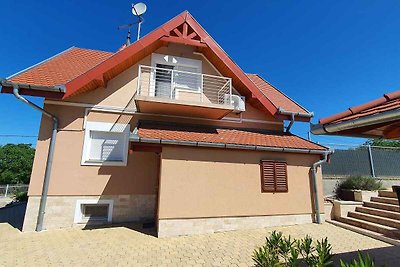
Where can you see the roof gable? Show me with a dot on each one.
(79, 76)
(182, 29)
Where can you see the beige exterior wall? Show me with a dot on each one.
(69, 177)
(206, 183)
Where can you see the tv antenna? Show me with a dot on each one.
(138, 10)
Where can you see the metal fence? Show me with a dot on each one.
(9, 190)
(363, 160)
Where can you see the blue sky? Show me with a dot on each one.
(327, 55)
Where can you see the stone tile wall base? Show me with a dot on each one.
(177, 227)
(60, 210)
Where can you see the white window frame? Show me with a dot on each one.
(173, 61)
(105, 127)
(78, 217)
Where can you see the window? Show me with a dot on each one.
(163, 79)
(273, 176)
(176, 73)
(90, 210)
(187, 78)
(105, 144)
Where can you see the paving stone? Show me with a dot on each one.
(122, 246)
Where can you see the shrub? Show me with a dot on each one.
(279, 250)
(21, 196)
(359, 183)
(362, 261)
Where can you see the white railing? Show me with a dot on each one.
(183, 85)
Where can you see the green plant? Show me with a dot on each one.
(21, 196)
(279, 250)
(362, 261)
(359, 183)
(16, 163)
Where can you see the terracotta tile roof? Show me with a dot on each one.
(388, 102)
(277, 98)
(225, 136)
(61, 68)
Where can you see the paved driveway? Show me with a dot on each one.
(123, 246)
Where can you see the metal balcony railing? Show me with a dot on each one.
(170, 83)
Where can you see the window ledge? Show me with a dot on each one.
(104, 163)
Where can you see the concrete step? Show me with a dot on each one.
(387, 193)
(365, 232)
(374, 219)
(382, 206)
(379, 212)
(386, 200)
(382, 229)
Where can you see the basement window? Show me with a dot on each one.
(105, 144)
(92, 210)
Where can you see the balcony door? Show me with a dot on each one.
(163, 81)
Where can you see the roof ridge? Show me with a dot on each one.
(91, 49)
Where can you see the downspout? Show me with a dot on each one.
(315, 185)
(43, 199)
(292, 115)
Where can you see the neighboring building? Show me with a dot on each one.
(171, 130)
(379, 118)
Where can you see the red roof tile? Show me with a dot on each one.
(61, 68)
(388, 102)
(225, 136)
(277, 98)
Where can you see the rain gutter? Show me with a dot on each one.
(43, 199)
(383, 117)
(135, 138)
(292, 115)
(56, 89)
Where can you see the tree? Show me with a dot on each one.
(16, 162)
(383, 143)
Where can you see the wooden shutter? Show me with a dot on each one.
(273, 176)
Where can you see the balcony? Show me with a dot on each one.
(171, 91)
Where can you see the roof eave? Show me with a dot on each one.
(5, 84)
(336, 128)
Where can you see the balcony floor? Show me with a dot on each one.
(146, 104)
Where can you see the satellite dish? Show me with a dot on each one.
(139, 9)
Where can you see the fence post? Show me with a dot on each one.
(5, 194)
(371, 161)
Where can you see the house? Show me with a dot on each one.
(168, 129)
(379, 118)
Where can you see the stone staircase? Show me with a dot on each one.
(381, 215)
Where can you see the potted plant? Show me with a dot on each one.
(358, 188)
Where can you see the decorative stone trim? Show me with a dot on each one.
(60, 210)
(177, 227)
